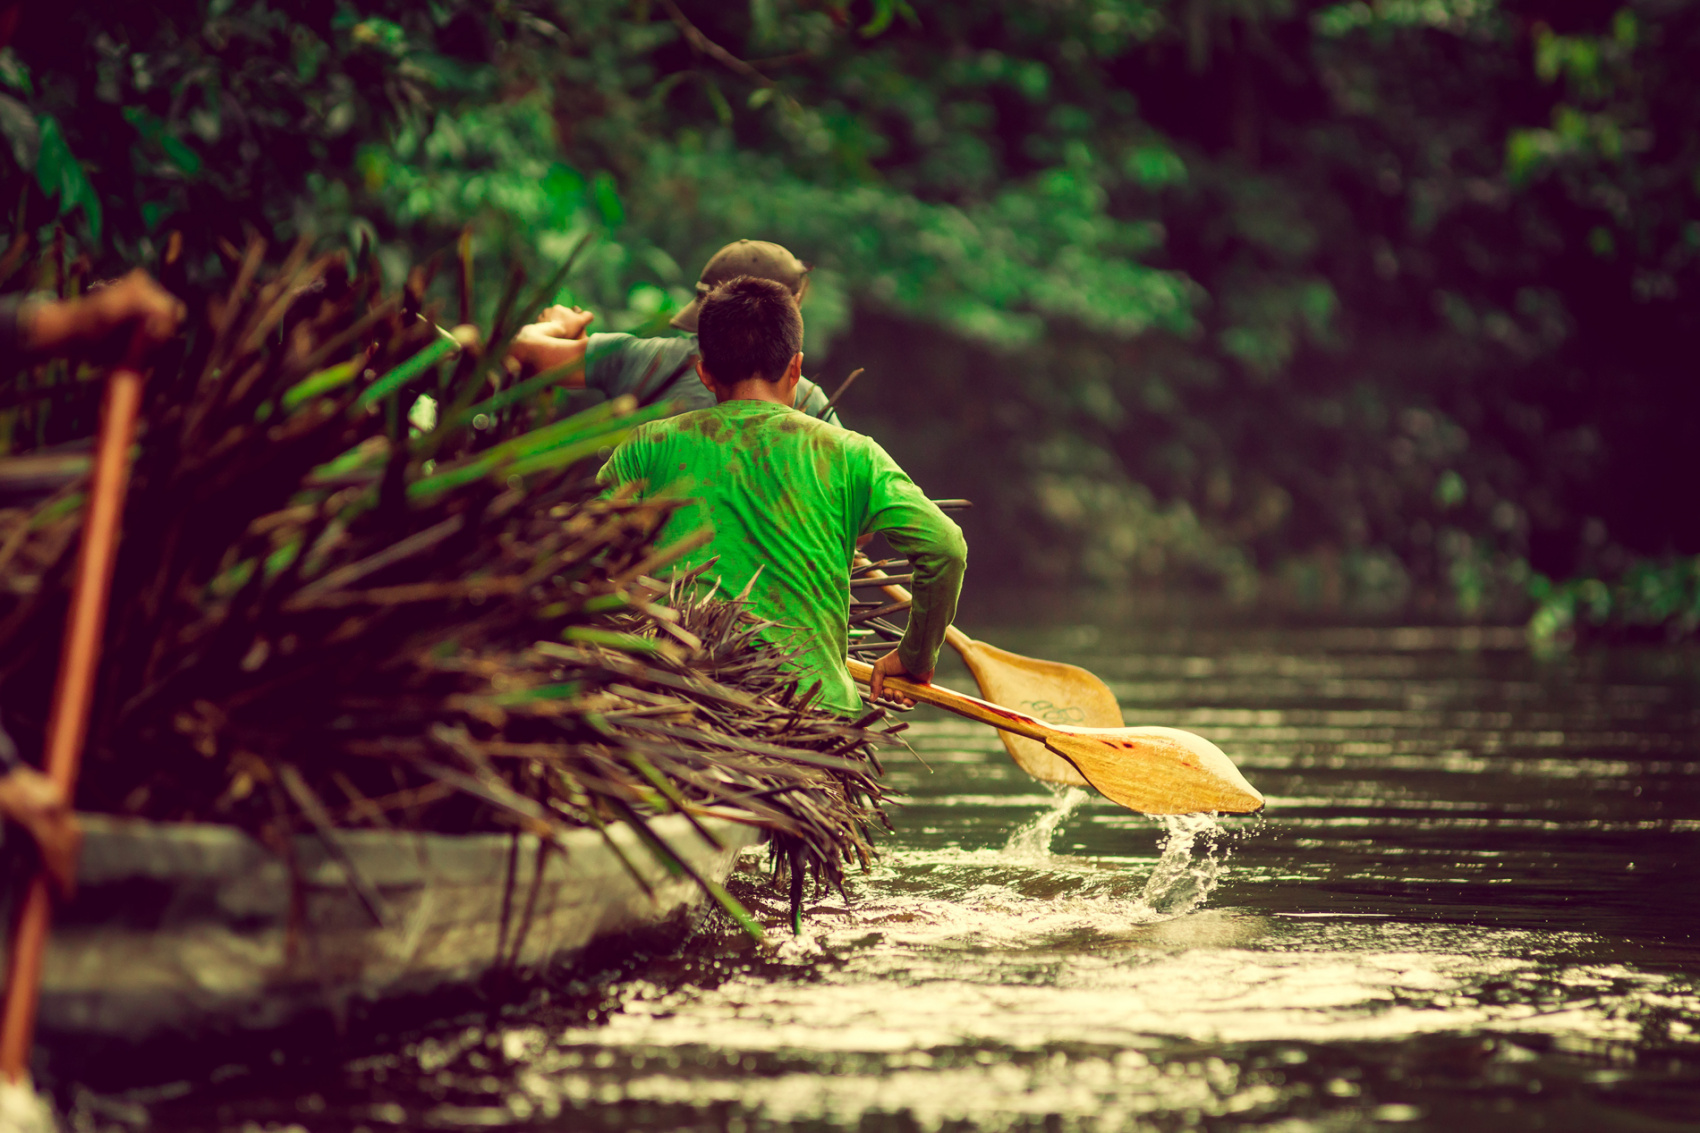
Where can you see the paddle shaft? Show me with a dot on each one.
(960, 703)
(67, 725)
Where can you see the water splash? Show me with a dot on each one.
(1031, 842)
(1189, 868)
(1192, 856)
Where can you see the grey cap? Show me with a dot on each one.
(745, 257)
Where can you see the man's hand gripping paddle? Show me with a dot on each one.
(1049, 690)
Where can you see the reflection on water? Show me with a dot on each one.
(1471, 904)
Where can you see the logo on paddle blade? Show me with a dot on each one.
(1054, 713)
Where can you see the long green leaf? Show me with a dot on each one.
(60, 174)
(608, 639)
(406, 372)
(552, 446)
(311, 386)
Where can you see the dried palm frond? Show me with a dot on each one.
(325, 615)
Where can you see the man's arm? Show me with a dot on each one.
(938, 558)
(556, 339)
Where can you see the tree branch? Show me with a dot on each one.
(706, 46)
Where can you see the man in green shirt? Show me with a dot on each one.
(651, 369)
(787, 495)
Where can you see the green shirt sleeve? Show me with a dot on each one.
(937, 554)
(620, 467)
(608, 476)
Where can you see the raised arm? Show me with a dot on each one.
(556, 339)
(938, 556)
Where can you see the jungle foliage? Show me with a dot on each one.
(1353, 301)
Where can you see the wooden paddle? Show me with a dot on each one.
(1150, 770)
(1049, 690)
(67, 724)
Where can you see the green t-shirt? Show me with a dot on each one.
(654, 368)
(786, 496)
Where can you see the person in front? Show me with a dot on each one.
(786, 496)
(655, 369)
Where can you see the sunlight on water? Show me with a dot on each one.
(1466, 911)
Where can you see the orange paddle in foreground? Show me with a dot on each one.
(73, 693)
(1150, 770)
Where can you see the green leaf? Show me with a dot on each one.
(564, 691)
(551, 446)
(21, 131)
(763, 21)
(385, 35)
(516, 393)
(313, 385)
(563, 457)
(153, 212)
(1155, 165)
(607, 197)
(358, 457)
(406, 372)
(1549, 55)
(1625, 28)
(157, 134)
(1449, 490)
(14, 74)
(60, 174)
(1524, 152)
(884, 12)
(608, 639)
(722, 108)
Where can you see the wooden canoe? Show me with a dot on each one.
(184, 931)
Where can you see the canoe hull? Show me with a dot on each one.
(187, 930)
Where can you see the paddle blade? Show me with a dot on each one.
(1049, 691)
(1158, 770)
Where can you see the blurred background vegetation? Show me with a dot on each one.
(1384, 305)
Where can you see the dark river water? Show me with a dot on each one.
(1473, 903)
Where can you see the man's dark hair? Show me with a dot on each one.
(749, 326)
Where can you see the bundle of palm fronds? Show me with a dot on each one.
(332, 610)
